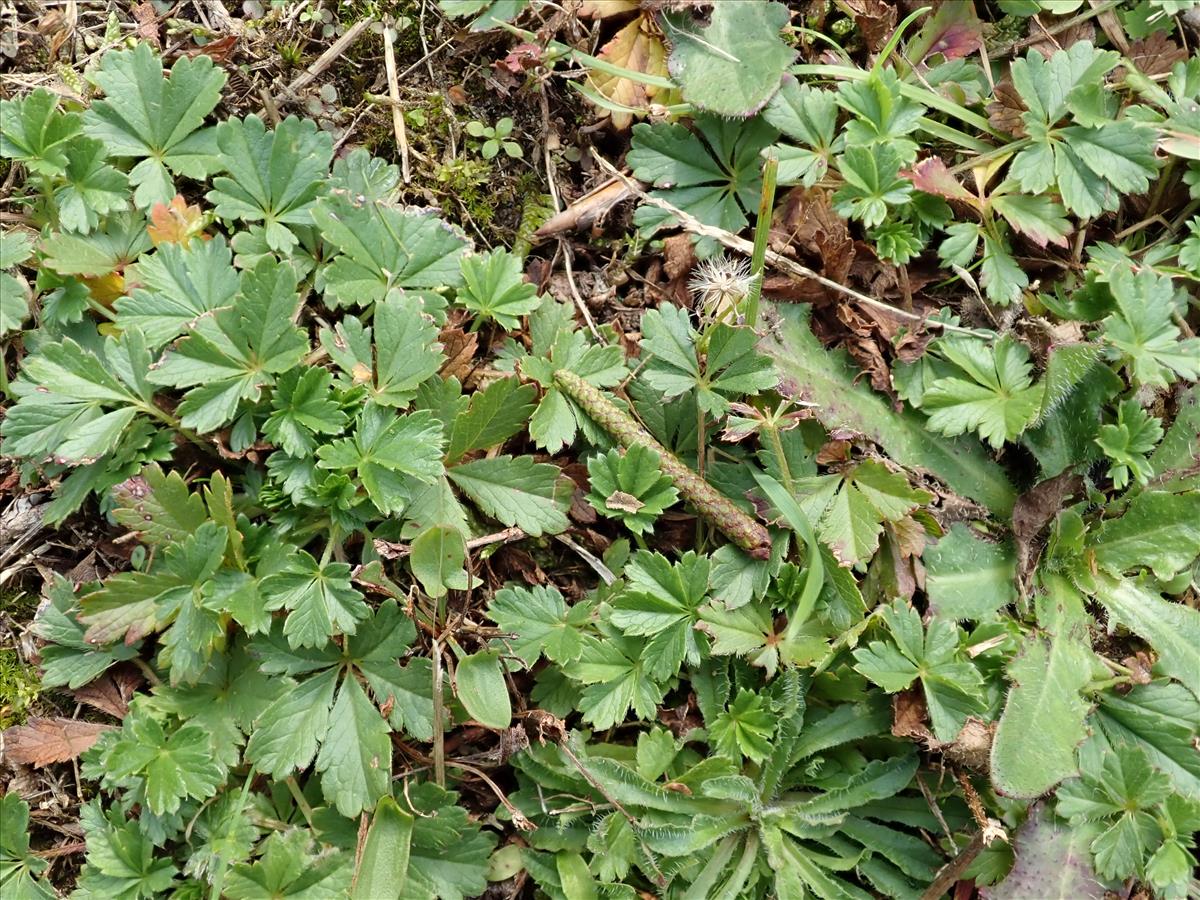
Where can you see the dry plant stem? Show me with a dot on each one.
(953, 870)
(690, 223)
(439, 738)
(323, 62)
(389, 64)
(712, 505)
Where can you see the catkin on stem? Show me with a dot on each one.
(710, 503)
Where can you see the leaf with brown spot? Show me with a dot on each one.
(42, 741)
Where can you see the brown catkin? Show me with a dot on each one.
(710, 503)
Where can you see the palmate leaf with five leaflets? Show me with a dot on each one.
(175, 286)
(35, 133)
(291, 864)
(319, 597)
(716, 178)
(170, 767)
(155, 119)
(661, 601)
(996, 398)
(383, 247)
(230, 355)
(953, 685)
(494, 288)
(121, 861)
(616, 675)
(274, 176)
(296, 727)
(808, 115)
(541, 622)
(731, 367)
(391, 357)
(1141, 332)
(88, 188)
(630, 486)
(73, 404)
(302, 406)
(391, 455)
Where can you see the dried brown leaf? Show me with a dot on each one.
(638, 47)
(42, 741)
(110, 692)
(875, 20)
(460, 347)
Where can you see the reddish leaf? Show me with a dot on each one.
(111, 692)
(44, 741)
(931, 176)
(954, 31)
(176, 223)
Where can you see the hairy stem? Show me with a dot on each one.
(711, 504)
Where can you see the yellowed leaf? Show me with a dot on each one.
(176, 223)
(637, 47)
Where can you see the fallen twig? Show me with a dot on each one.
(389, 64)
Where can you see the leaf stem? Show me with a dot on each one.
(710, 503)
(762, 230)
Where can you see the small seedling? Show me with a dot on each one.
(495, 138)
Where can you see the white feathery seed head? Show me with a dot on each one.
(720, 284)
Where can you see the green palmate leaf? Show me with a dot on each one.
(1045, 699)
(1162, 718)
(1040, 219)
(408, 689)
(1158, 531)
(516, 491)
(437, 560)
(230, 356)
(158, 506)
(69, 659)
(996, 398)
(1119, 796)
(872, 183)
(176, 286)
(495, 414)
(745, 728)
(172, 767)
(850, 510)
(882, 115)
(494, 288)
(392, 357)
(383, 247)
(630, 487)
(718, 186)
(303, 406)
(731, 368)
(1172, 629)
(968, 578)
(1129, 441)
(320, 599)
(35, 133)
(616, 679)
(1141, 332)
(732, 65)
(274, 176)
(290, 865)
(355, 761)
(661, 602)
(953, 686)
(74, 405)
(155, 119)
(541, 623)
(480, 687)
(88, 189)
(121, 861)
(392, 455)
(808, 115)
(122, 240)
(19, 869)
